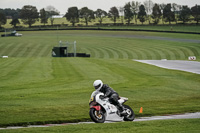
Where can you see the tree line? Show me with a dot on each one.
(131, 11)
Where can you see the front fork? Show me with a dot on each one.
(97, 111)
(96, 107)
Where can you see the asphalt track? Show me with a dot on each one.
(142, 37)
(179, 116)
(188, 66)
(158, 38)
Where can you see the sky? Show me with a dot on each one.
(63, 5)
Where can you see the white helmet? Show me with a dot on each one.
(98, 84)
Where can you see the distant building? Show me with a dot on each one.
(9, 17)
(58, 16)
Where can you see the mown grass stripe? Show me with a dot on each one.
(89, 51)
(181, 53)
(120, 53)
(23, 51)
(141, 51)
(195, 49)
(16, 50)
(110, 52)
(105, 53)
(130, 52)
(27, 50)
(124, 53)
(167, 52)
(115, 52)
(137, 54)
(171, 54)
(151, 53)
(45, 52)
(6, 49)
(157, 53)
(101, 52)
(97, 52)
(176, 52)
(12, 73)
(187, 51)
(7, 63)
(2, 46)
(35, 50)
(38, 49)
(132, 55)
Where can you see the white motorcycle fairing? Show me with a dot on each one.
(112, 113)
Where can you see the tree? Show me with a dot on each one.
(3, 19)
(72, 15)
(195, 11)
(185, 14)
(135, 8)
(128, 13)
(121, 12)
(29, 15)
(176, 9)
(142, 14)
(51, 11)
(100, 15)
(168, 15)
(148, 4)
(11, 12)
(86, 14)
(156, 15)
(43, 16)
(162, 6)
(14, 22)
(113, 14)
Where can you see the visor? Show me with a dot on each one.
(96, 87)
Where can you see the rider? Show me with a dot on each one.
(110, 93)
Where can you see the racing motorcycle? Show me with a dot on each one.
(102, 110)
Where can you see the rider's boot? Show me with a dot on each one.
(121, 109)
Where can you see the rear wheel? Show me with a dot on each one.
(97, 115)
(130, 114)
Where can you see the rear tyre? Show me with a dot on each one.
(97, 115)
(130, 114)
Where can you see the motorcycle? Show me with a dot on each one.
(102, 110)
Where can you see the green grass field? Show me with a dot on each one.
(37, 88)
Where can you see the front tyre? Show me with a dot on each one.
(130, 114)
(97, 115)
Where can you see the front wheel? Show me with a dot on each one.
(97, 115)
(130, 114)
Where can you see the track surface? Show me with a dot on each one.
(144, 37)
(188, 66)
(180, 116)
